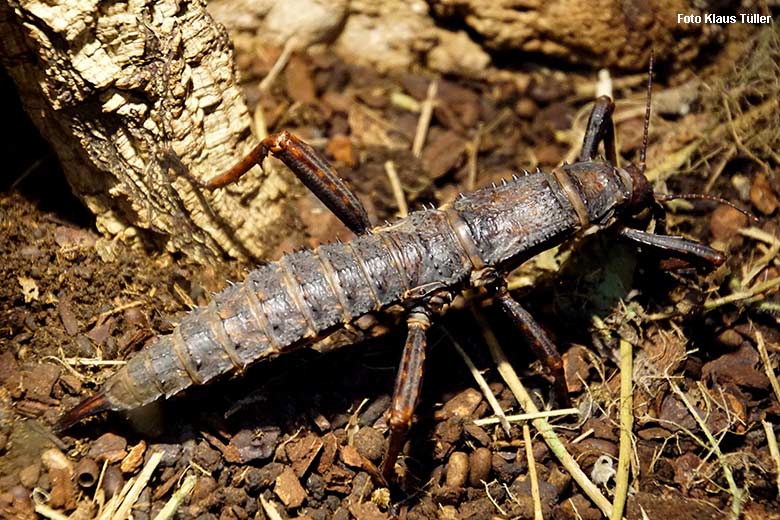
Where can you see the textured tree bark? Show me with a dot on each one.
(125, 90)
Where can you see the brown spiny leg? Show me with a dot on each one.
(675, 246)
(600, 128)
(407, 386)
(539, 341)
(311, 168)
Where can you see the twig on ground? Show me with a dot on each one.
(279, 65)
(491, 399)
(398, 191)
(747, 295)
(529, 453)
(584, 435)
(138, 486)
(626, 427)
(270, 509)
(759, 234)
(119, 308)
(170, 507)
(473, 152)
(729, 154)
(548, 434)
(774, 452)
(768, 256)
(87, 362)
(738, 495)
(527, 416)
(493, 500)
(47, 512)
(425, 118)
(767, 364)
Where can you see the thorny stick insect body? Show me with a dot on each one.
(419, 262)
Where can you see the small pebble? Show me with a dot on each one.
(134, 458)
(112, 481)
(340, 147)
(38, 380)
(207, 457)
(369, 443)
(259, 478)
(373, 411)
(29, 475)
(480, 462)
(361, 488)
(477, 433)
(110, 447)
(762, 196)
(203, 488)
(730, 338)
(351, 457)
(171, 453)
(457, 469)
(55, 459)
(289, 489)
(462, 405)
(725, 221)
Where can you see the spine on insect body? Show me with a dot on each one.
(509, 224)
(293, 302)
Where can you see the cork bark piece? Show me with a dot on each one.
(601, 33)
(129, 92)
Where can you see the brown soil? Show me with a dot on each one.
(300, 435)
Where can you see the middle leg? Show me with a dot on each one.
(540, 342)
(407, 386)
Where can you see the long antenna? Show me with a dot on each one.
(703, 196)
(643, 151)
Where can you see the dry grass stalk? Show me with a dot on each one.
(626, 427)
(278, 66)
(738, 495)
(483, 386)
(170, 507)
(527, 416)
(770, 373)
(529, 453)
(270, 509)
(398, 191)
(425, 118)
(545, 428)
(747, 296)
(47, 512)
(136, 487)
(774, 452)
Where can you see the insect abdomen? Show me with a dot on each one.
(285, 305)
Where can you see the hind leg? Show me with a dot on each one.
(311, 168)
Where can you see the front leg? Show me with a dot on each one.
(600, 128)
(311, 168)
(540, 342)
(407, 386)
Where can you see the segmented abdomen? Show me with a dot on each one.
(290, 303)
